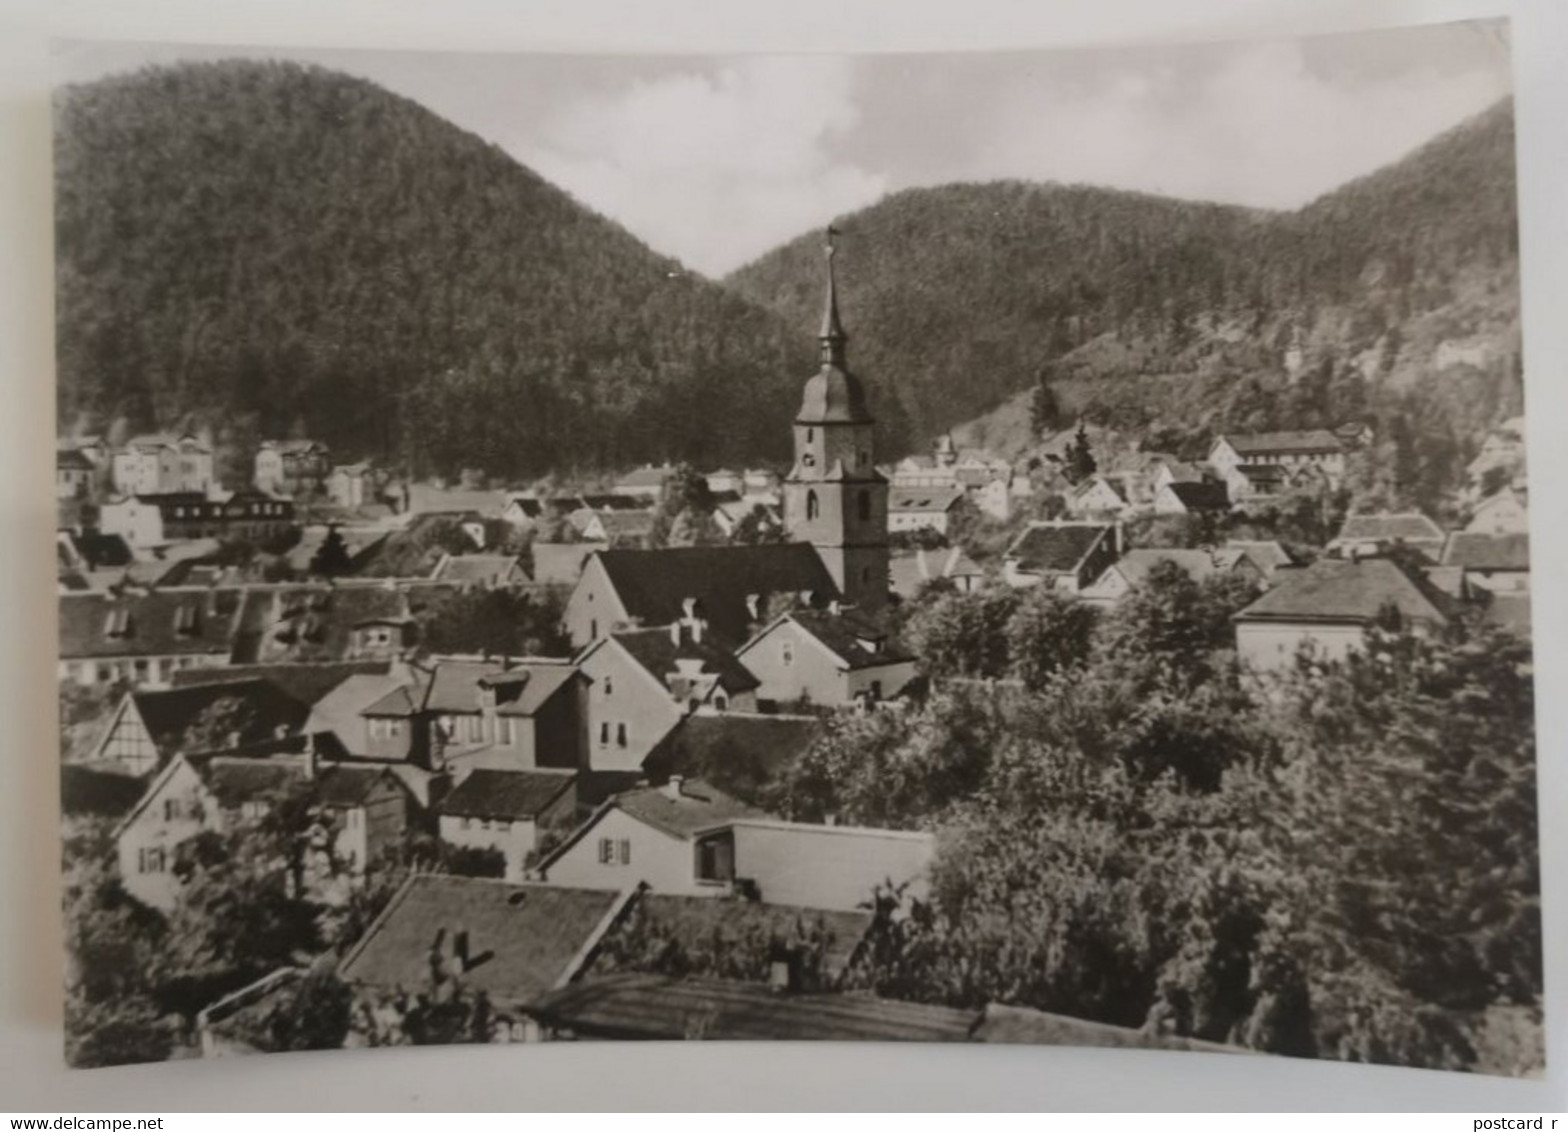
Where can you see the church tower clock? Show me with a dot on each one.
(834, 497)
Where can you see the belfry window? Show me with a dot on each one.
(811, 505)
(864, 505)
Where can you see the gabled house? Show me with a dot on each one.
(644, 835)
(148, 728)
(350, 486)
(1330, 605)
(507, 811)
(139, 522)
(73, 474)
(730, 586)
(815, 866)
(143, 636)
(1496, 563)
(1096, 497)
(1367, 535)
(155, 463)
(1266, 554)
(826, 658)
(1195, 497)
(647, 481)
(1131, 571)
(1504, 512)
(480, 571)
(643, 682)
(1067, 556)
(292, 467)
(1255, 485)
(921, 508)
(357, 812)
(319, 623)
(1317, 448)
(562, 563)
(250, 515)
(911, 570)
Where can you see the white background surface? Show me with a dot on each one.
(32, 1073)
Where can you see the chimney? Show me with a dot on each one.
(835, 607)
(310, 757)
(672, 788)
(754, 606)
(688, 608)
(675, 633)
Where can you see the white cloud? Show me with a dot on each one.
(714, 165)
(1259, 127)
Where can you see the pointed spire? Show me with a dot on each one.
(832, 335)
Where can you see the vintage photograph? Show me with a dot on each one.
(1021, 547)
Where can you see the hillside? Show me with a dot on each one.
(265, 248)
(1149, 313)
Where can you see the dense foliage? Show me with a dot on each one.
(263, 248)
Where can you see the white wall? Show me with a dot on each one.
(665, 862)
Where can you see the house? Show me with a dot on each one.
(322, 622)
(1203, 497)
(295, 468)
(148, 728)
(248, 515)
(644, 835)
(1290, 451)
(921, 508)
(1167, 470)
(513, 943)
(139, 522)
(435, 499)
(525, 512)
(1365, 535)
(912, 570)
(508, 811)
(1355, 434)
(827, 658)
(1505, 512)
(562, 563)
(730, 511)
(1131, 570)
(1330, 605)
(142, 636)
(643, 682)
(726, 480)
(349, 486)
(337, 719)
(729, 584)
(357, 813)
(815, 866)
(1065, 555)
(160, 463)
(1097, 497)
(1496, 563)
(632, 1007)
(467, 715)
(480, 571)
(1266, 554)
(647, 481)
(73, 474)
(761, 484)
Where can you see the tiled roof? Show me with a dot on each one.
(1410, 526)
(72, 459)
(1270, 476)
(1266, 553)
(161, 622)
(283, 624)
(510, 795)
(520, 938)
(1136, 564)
(1339, 590)
(698, 806)
(307, 683)
(608, 501)
(1201, 495)
(485, 569)
(658, 1007)
(652, 584)
(733, 751)
(935, 499)
(521, 689)
(657, 652)
(851, 638)
(255, 711)
(1306, 442)
(341, 786)
(1477, 551)
(561, 563)
(1056, 548)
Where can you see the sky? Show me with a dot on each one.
(716, 160)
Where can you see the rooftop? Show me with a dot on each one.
(220, 716)
(1201, 495)
(1305, 442)
(1477, 551)
(1408, 526)
(1339, 590)
(855, 640)
(1057, 548)
(656, 651)
(508, 795)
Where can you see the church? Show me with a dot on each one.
(835, 519)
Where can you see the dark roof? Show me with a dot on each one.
(521, 938)
(511, 795)
(1339, 590)
(520, 690)
(73, 459)
(1056, 548)
(160, 622)
(698, 922)
(652, 584)
(235, 781)
(734, 752)
(698, 806)
(657, 652)
(316, 623)
(923, 498)
(658, 1007)
(1476, 551)
(1016, 1024)
(606, 501)
(1410, 526)
(340, 786)
(255, 712)
(1264, 475)
(88, 790)
(852, 638)
(833, 395)
(1309, 441)
(307, 683)
(1203, 495)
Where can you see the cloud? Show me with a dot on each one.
(1253, 124)
(714, 165)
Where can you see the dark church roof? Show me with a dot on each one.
(833, 396)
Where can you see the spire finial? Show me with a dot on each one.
(832, 335)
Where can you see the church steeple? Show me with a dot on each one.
(832, 335)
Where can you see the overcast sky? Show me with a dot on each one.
(716, 160)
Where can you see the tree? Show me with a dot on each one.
(1047, 632)
(757, 527)
(1045, 410)
(1081, 463)
(962, 634)
(332, 558)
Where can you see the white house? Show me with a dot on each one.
(1505, 512)
(138, 522)
(508, 811)
(921, 508)
(1131, 571)
(826, 658)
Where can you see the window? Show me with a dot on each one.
(609, 687)
(606, 851)
(171, 809)
(593, 627)
(468, 823)
(811, 435)
(811, 505)
(624, 850)
(864, 506)
(721, 702)
(604, 734)
(620, 734)
(505, 733)
(787, 653)
(503, 826)
(876, 689)
(475, 728)
(150, 860)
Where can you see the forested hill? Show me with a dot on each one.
(264, 248)
(1150, 312)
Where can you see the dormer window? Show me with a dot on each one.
(185, 620)
(118, 623)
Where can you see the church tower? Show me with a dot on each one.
(834, 497)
